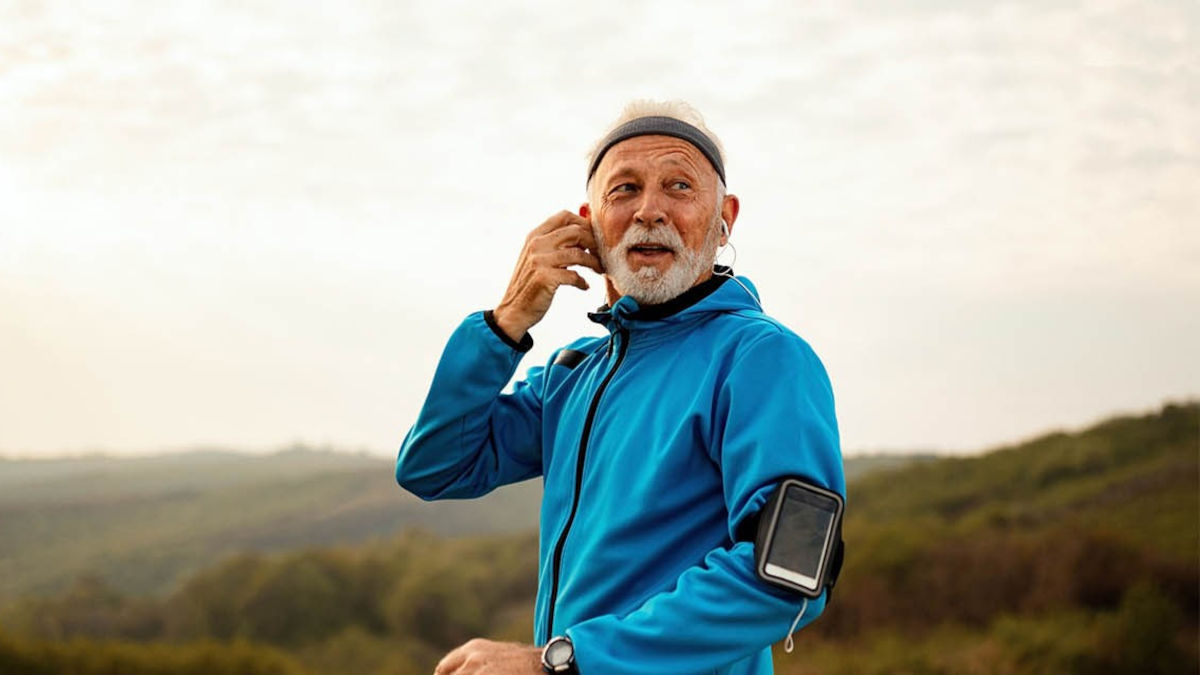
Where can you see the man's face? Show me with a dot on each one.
(656, 217)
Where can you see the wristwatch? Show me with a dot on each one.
(559, 656)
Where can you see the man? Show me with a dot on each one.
(658, 444)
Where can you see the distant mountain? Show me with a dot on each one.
(860, 466)
(145, 523)
(102, 477)
(1072, 552)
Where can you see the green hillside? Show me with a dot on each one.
(145, 524)
(105, 477)
(1069, 553)
(1054, 555)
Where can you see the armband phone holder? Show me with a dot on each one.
(798, 545)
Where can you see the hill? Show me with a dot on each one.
(1072, 552)
(1045, 551)
(144, 524)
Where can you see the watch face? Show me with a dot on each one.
(559, 653)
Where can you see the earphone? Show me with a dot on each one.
(729, 275)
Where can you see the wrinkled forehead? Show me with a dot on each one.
(644, 153)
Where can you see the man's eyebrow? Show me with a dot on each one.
(625, 171)
(620, 172)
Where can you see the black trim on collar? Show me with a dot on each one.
(523, 346)
(676, 304)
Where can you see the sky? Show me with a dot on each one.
(250, 224)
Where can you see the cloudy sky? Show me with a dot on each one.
(254, 223)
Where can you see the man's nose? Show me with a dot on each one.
(652, 209)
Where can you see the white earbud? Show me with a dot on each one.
(727, 271)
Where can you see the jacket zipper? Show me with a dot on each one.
(583, 445)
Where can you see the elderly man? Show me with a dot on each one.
(658, 444)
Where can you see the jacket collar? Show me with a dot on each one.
(711, 295)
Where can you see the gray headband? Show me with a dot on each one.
(660, 126)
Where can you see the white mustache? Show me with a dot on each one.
(640, 235)
(650, 285)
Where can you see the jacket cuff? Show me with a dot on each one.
(523, 346)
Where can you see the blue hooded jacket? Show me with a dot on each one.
(654, 444)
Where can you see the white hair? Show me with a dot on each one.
(676, 109)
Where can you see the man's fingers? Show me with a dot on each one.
(587, 238)
(451, 661)
(575, 237)
(564, 240)
(592, 261)
(566, 257)
(579, 233)
(557, 221)
(579, 282)
(549, 225)
(574, 234)
(565, 277)
(494, 658)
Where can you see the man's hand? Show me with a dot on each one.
(493, 658)
(561, 242)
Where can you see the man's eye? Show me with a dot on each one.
(681, 185)
(624, 187)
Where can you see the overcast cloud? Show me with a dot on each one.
(250, 223)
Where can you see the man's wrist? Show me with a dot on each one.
(515, 331)
(524, 344)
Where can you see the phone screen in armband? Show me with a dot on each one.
(794, 549)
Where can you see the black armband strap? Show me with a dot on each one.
(778, 513)
(748, 531)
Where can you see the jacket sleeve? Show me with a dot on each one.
(469, 437)
(773, 418)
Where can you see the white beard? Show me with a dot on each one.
(648, 285)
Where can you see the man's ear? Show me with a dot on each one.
(729, 213)
(584, 210)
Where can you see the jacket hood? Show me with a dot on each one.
(713, 295)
